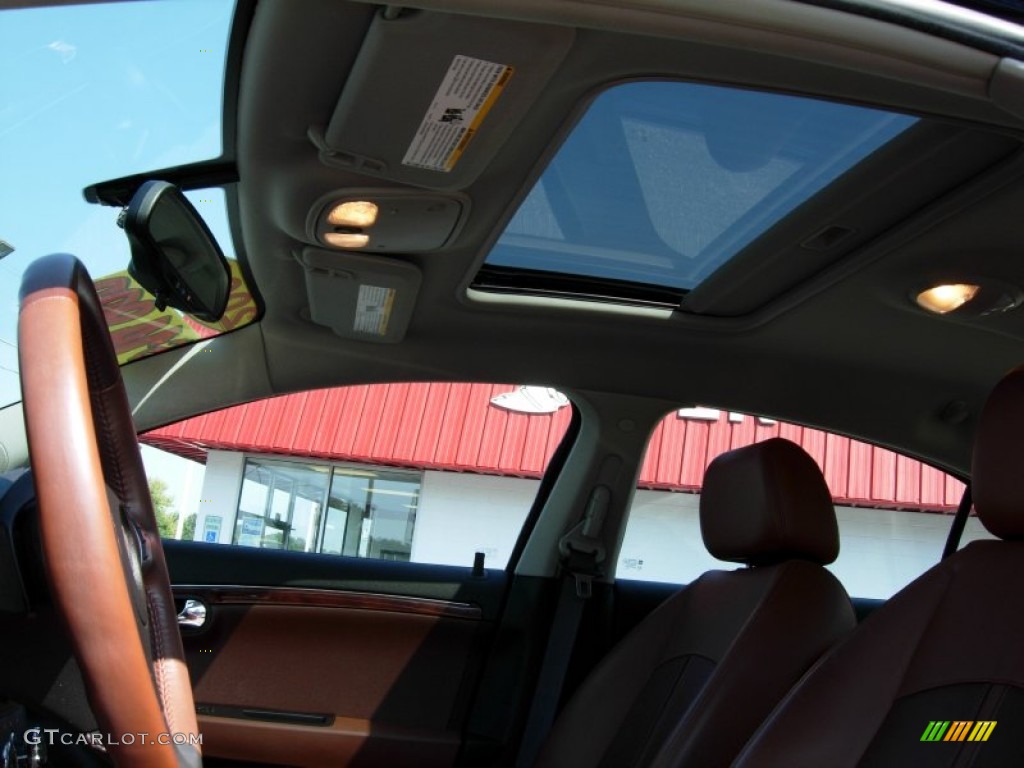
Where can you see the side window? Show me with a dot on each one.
(428, 473)
(894, 513)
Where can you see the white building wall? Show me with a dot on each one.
(460, 514)
(881, 550)
(218, 501)
(663, 541)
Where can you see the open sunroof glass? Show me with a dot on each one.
(661, 183)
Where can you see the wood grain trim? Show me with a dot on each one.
(324, 598)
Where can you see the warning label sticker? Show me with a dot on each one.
(469, 90)
(373, 309)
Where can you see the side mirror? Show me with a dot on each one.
(174, 256)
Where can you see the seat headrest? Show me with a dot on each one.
(997, 468)
(767, 503)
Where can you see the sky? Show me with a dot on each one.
(90, 93)
(663, 182)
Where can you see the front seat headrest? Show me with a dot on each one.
(767, 503)
(997, 471)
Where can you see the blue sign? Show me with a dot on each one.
(211, 528)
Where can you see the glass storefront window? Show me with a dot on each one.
(369, 513)
(280, 503)
(372, 513)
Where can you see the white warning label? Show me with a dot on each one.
(469, 90)
(373, 309)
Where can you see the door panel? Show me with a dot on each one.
(325, 660)
(193, 562)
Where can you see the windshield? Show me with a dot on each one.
(91, 93)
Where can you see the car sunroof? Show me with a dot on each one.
(661, 183)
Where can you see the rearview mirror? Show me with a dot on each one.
(174, 256)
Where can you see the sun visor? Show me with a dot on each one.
(433, 96)
(368, 298)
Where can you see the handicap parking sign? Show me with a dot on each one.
(211, 528)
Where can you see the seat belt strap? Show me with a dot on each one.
(582, 552)
(956, 530)
(552, 672)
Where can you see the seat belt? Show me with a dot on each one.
(582, 553)
(956, 530)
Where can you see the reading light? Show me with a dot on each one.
(347, 239)
(354, 213)
(388, 220)
(942, 299)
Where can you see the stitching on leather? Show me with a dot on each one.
(92, 363)
(110, 442)
(158, 666)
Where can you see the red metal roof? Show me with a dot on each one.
(455, 427)
(434, 426)
(857, 473)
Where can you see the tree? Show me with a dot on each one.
(163, 507)
(188, 530)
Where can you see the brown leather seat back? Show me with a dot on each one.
(698, 676)
(924, 678)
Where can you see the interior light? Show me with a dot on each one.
(941, 299)
(346, 239)
(354, 213)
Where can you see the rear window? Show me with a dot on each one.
(894, 512)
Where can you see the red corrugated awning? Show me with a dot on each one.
(456, 427)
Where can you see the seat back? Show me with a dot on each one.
(698, 676)
(935, 677)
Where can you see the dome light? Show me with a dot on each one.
(354, 213)
(942, 299)
(346, 239)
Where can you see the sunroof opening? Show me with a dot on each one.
(661, 183)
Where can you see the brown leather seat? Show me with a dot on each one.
(698, 676)
(947, 649)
